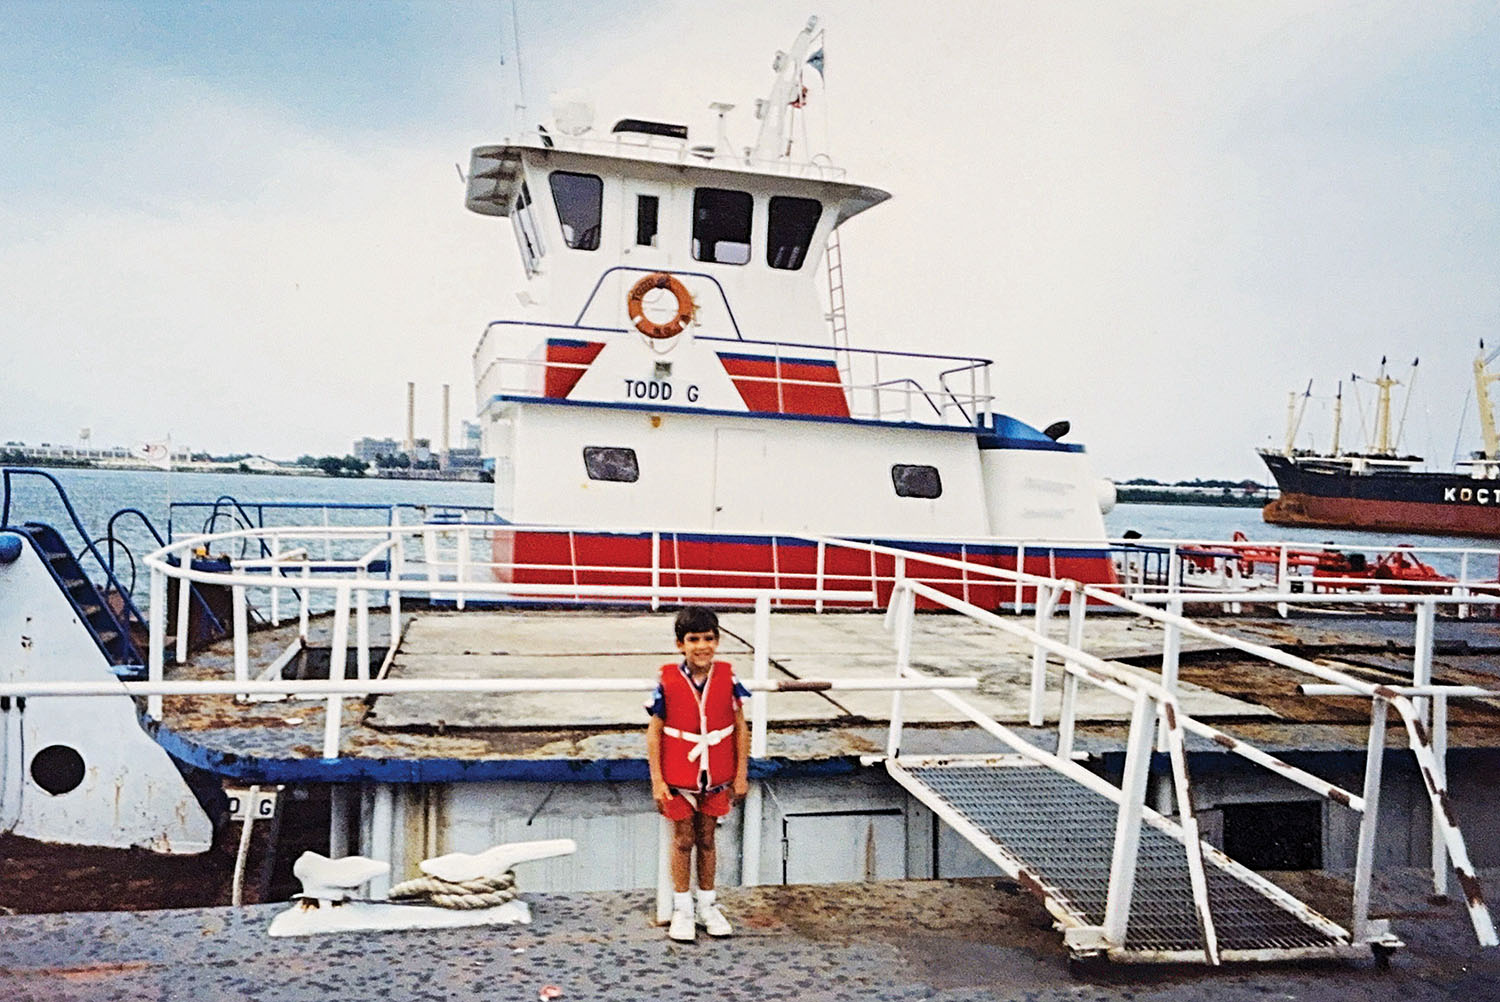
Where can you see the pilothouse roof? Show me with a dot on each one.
(495, 172)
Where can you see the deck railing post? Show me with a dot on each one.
(184, 604)
(1462, 590)
(1171, 652)
(1046, 600)
(1283, 581)
(461, 571)
(362, 633)
(1364, 862)
(1422, 640)
(905, 615)
(1020, 570)
(338, 821)
(1440, 767)
(241, 632)
(1128, 823)
(275, 575)
(751, 816)
(1068, 710)
(655, 571)
(304, 611)
(156, 654)
(818, 581)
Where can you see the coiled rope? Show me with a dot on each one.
(485, 892)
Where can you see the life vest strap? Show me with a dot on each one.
(701, 742)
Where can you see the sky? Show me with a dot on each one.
(241, 224)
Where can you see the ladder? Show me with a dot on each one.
(838, 318)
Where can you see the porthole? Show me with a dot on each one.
(57, 769)
(912, 481)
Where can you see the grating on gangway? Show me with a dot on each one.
(1056, 836)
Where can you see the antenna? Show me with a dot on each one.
(515, 24)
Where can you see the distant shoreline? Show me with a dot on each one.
(1137, 495)
(126, 466)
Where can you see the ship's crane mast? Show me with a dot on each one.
(1482, 381)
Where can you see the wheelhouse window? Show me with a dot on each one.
(916, 481)
(611, 463)
(790, 231)
(646, 209)
(721, 225)
(524, 222)
(580, 204)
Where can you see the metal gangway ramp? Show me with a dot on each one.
(1123, 880)
(1056, 836)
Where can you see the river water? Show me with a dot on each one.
(97, 494)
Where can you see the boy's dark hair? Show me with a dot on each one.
(696, 619)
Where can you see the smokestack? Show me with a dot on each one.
(443, 455)
(410, 445)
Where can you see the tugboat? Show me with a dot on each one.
(670, 367)
(1381, 489)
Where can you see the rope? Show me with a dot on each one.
(485, 892)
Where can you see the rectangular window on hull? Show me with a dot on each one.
(721, 225)
(611, 463)
(790, 231)
(580, 204)
(916, 481)
(645, 220)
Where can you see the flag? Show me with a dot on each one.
(158, 454)
(816, 61)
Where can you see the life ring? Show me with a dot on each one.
(649, 327)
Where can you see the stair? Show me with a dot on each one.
(93, 611)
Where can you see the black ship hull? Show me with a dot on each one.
(1331, 496)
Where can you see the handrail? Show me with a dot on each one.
(132, 613)
(630, 267)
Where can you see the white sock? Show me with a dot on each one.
(705, 899)
(682, 901)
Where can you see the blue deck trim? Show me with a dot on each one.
(568, 342)
(253, 769)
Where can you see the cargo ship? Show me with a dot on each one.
(1383, 490)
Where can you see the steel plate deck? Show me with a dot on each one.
(1062, 834)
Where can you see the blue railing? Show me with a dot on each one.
(132, 614)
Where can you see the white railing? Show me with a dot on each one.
(882, 386)
(1421, 707)
(945, 582)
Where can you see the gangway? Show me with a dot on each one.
(1120, 879)
(1055, 835)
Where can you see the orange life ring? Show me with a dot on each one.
(649, 327)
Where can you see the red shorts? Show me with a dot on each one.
(715, 805)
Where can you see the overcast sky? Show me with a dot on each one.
(240, 223)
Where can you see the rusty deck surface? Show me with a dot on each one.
(1255, 700)
(980, 939)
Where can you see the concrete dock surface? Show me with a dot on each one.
(979, 939)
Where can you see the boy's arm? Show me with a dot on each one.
(659, 791)
(742, 759)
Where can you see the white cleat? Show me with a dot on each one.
(682, 928)
(457, 867)
(713, 921)
(335, 880)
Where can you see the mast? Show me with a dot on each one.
(1294, 417)
(1383, 411)
(1482, 381)
(770, 144)
(1338, 416)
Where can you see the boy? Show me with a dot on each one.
(698, 749)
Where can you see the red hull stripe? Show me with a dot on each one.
(1390, 516)
(780, 386)
(561, 379)
(760, 562)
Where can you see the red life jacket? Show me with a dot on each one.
(698, 733)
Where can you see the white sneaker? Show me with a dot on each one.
(713, 921)
(682, 928)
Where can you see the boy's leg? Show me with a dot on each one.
(683, 838)
(703, 836)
